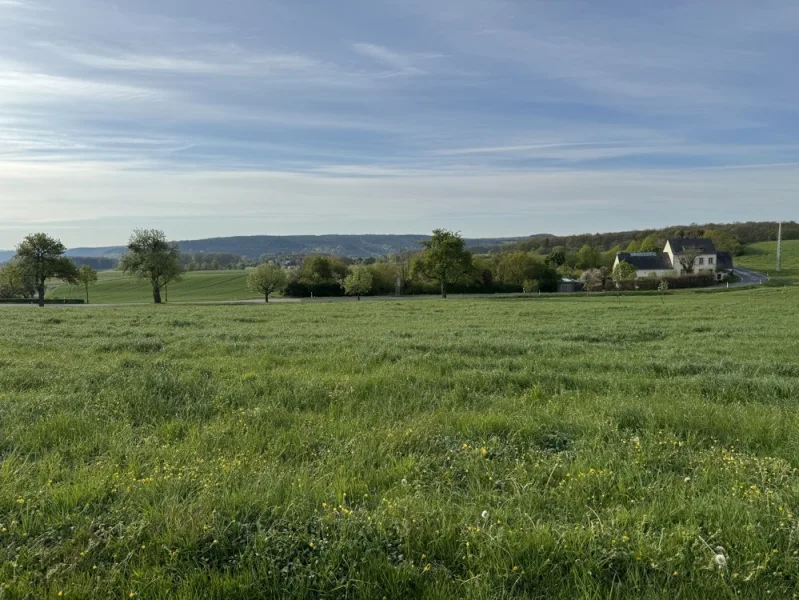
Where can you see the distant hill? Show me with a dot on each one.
(6, 255)
(253, 246)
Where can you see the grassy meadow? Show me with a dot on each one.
(762, 257)
(485, 448)
(114, 287)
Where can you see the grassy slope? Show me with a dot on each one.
(763, 257)
(114, 287)
(350, 449)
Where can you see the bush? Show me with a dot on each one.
(652, 283)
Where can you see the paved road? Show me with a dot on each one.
(748, 277)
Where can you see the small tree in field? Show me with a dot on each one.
(267, 279)
(150, 256)
(87, 277)
(359, 281)
(41, 257)
(623, 271)
(444, 259)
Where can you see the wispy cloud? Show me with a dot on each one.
(479, 114)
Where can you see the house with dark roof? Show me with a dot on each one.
(680, 256)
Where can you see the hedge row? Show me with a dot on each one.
(34, 301)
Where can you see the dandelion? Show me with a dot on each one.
(515, 568)
(404, 481)
(687, 480)
(720, 560)
(625, 538)
(676, 573)
(484, 514)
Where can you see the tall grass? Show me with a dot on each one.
(564, 448)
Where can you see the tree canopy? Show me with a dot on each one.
(267, 279)
(150, 256)
(41, 258)
(358, 282)
(444, 259)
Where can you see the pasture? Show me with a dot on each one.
(762, 257)
(486, 448)
(114, 287)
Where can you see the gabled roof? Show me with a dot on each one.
(646, 261)
(678, 245)
(724, 260)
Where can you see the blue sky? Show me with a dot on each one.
(492, 117)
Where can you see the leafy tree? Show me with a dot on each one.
(15, 282)
(444, 259)
(633, 246)
(41, 257)
(558, 258)
(651, 244)
(87, 277)
(267, 279)
(724, 241)
(588, 257)
(150, 256)
(358, 282)
(623, 271)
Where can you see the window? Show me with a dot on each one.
(710, 260)
(701, 260)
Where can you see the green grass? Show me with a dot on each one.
(762, 257)
(349, 450)
(113, 288)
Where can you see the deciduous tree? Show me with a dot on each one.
(359, 281)
(267, 279)
(41, 258)
(87, 277)
(150, 256)
(444, 259)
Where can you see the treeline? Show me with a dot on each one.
(214, 261)
(97, 263)
(728, 237)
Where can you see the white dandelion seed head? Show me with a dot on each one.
(720, 560)
(484, 514)
(687, 480)
(404, 481)
(720, 550)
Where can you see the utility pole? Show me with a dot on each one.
(779, 247)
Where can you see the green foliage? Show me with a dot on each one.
(322, 269)
(150, 256)
(444, 259)
(762, 257)
(40, 258)
(557, 258)
(358, 282)
(267, 279)
(517, 267)
(15, 282)
(623, 271)
(652, 243)
(329, 451)
(588, 257)
(87, 277)
(724, 241)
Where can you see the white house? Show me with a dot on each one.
(669, 263)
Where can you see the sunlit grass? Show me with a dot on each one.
(555, 448)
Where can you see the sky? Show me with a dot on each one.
(490, 117)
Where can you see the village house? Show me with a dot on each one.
(676, 256)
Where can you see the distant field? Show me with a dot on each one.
(114, 287)
(560, 448)
(763, 257)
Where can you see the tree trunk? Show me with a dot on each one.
(266, 297)
(443, 289)
(359, 297)
(156, 293)
(87, 294)
(41, 295)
